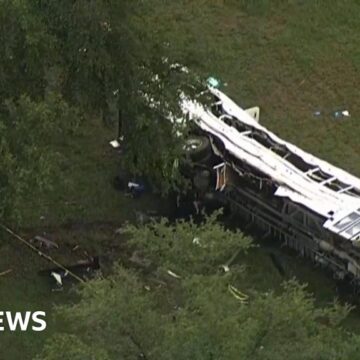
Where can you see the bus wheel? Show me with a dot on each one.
(198, 148)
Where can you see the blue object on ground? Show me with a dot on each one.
(136, 188)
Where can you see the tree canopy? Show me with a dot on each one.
(61, 61)
(199, 311)
(29, 129)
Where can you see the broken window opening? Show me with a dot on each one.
(228, 120)
(298, 162)
(320, 176)
(353, 230)
(336, 185)
(280, 150)
(346, 221)
(263, 139)
(353, 192)
(233, 122)
(217, 109)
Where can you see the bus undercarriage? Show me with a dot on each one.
(250, 194)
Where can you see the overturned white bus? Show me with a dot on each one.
(310, 205)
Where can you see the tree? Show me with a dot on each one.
(103, 57)
(58, 58)
(115, 59)
(28, 50)
(28, 163)
(198, 312)
(33, 113)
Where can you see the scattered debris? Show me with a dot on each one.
(115, 144)
(302, 82)
(147, 288)
(76, 247)
(176, 276)
(225, 267)
(6, 272)
(58, 277)
(83, 268)
(336, 114)
(341, 113)
(238, 294)
(41, 241)
(40, 253)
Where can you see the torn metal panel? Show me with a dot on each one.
(224, 176)
(220, 177)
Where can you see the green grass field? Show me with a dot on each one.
(291, 58)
